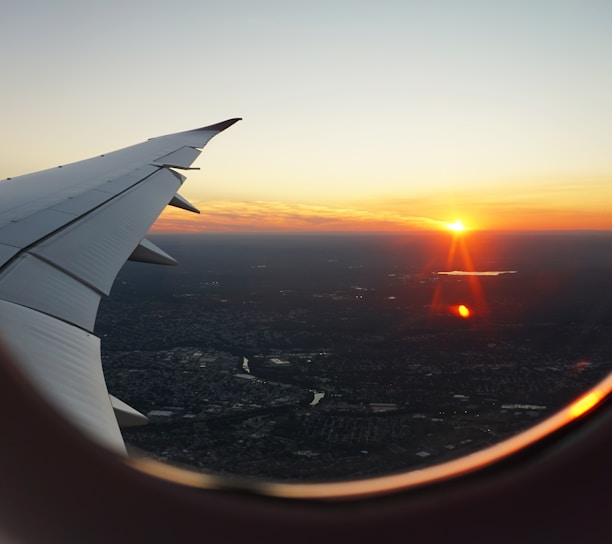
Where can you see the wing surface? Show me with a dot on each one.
(64, 235)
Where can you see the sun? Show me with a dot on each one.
(457, 226)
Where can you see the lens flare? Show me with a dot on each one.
(463, 311)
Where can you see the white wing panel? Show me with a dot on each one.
(24, 195)
(181, 158)
(95, 248)
(117, 185)
(33, 283)
(26, 231)
(28, 194)
(7, 253)
(80, 204)
(64, 363)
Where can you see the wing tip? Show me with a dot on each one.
(218, 127)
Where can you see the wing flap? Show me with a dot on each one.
(95, 248)
(64, 362)
(30, 282)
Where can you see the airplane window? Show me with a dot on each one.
(404, 254)
(307, 358)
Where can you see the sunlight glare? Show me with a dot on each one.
(585, 403)
(457, 226)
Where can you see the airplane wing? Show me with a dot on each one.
(64, 235)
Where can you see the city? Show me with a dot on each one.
(299, 359)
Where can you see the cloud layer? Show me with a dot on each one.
(267, 216)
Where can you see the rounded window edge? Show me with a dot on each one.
(346, 490)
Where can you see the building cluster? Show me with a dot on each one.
(309, 383)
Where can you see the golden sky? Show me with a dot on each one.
(555, 208)
(392, 115)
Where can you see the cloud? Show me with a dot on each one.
(267, 216)
(555, 207)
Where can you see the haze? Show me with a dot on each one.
(358, 116)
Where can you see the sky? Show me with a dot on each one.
(386, 115)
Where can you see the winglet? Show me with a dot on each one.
(218, 127)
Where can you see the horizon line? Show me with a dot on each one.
(398, 232)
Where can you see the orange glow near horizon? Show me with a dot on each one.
(266, 216)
